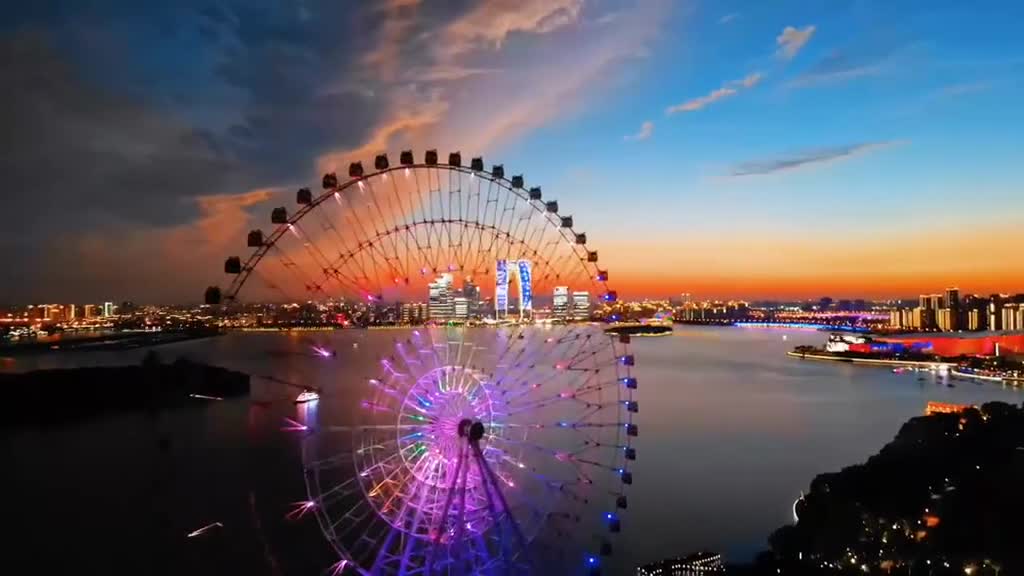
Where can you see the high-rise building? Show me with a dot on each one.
(90, 310)
(440, 298)
(414, 313)
(952, 301)
(995, 311)
(685, 298)
(460, 308)
(977, 319)
(946, 319)
(1013, 316)
(472, 294)
(72, 312)
(560, 302)
(521, 272)
(580, 305)
(108, 309)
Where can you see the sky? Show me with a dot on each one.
(727, 149)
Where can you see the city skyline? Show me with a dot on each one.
(780, 151)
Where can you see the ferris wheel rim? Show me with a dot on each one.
(568, 234)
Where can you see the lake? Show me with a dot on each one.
(731, 430)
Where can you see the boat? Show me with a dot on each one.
(307, 396)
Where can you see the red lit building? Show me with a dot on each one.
(961, 344)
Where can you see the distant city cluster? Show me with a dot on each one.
(446, 303)
(949, 312)
(36, 320)
(449, 299)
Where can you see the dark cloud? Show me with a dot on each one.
(110, 134)
(867, 56)
(804, 159)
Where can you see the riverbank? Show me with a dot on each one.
(127, 340)
(871, 361)
(1003, 379)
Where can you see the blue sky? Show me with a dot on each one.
(790, 149)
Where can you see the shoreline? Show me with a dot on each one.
(874, 361)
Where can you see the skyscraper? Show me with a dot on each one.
(460, 308)
(108, 309)
(501, 289)
(560, 302)
(952, 302)
(440, 306)
(995, 312)
(580, 305)
(472, 294)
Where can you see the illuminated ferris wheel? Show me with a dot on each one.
(496, 437)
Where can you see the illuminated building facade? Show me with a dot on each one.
(580, 305)
(692, 565)
(108, 309)
(414, 313)
(560, 302)
(460, 307)
(440, 304)
(507, 271)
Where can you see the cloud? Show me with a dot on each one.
(646, 131)
(730, 89)
(156, 163)
(728, 18)
(807, 158)
(750, 80)
(701, 102)
(791, 40)
(492, 21)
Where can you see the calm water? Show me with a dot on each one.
(731, 430)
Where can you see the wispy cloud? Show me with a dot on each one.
(728, 18)
(698, 103)
(808, 158)
(838, 66)
(791, 40)
(646, 131)
(729, 89)
(750, 80)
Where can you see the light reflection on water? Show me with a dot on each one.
(730, 428)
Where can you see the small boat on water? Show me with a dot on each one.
(307, 396)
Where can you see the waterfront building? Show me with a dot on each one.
(460, 307)
(560, 302)
(977, 319)
(507, 271)
(1013, 316)
(580, 305)
(946, 320)
(472, 294)
(414, 313)
(440, 305)
(921, 319)
(692, 565)
(995, 311)
(108, 309)
(952, 302)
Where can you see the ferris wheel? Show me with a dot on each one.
(496, 436)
